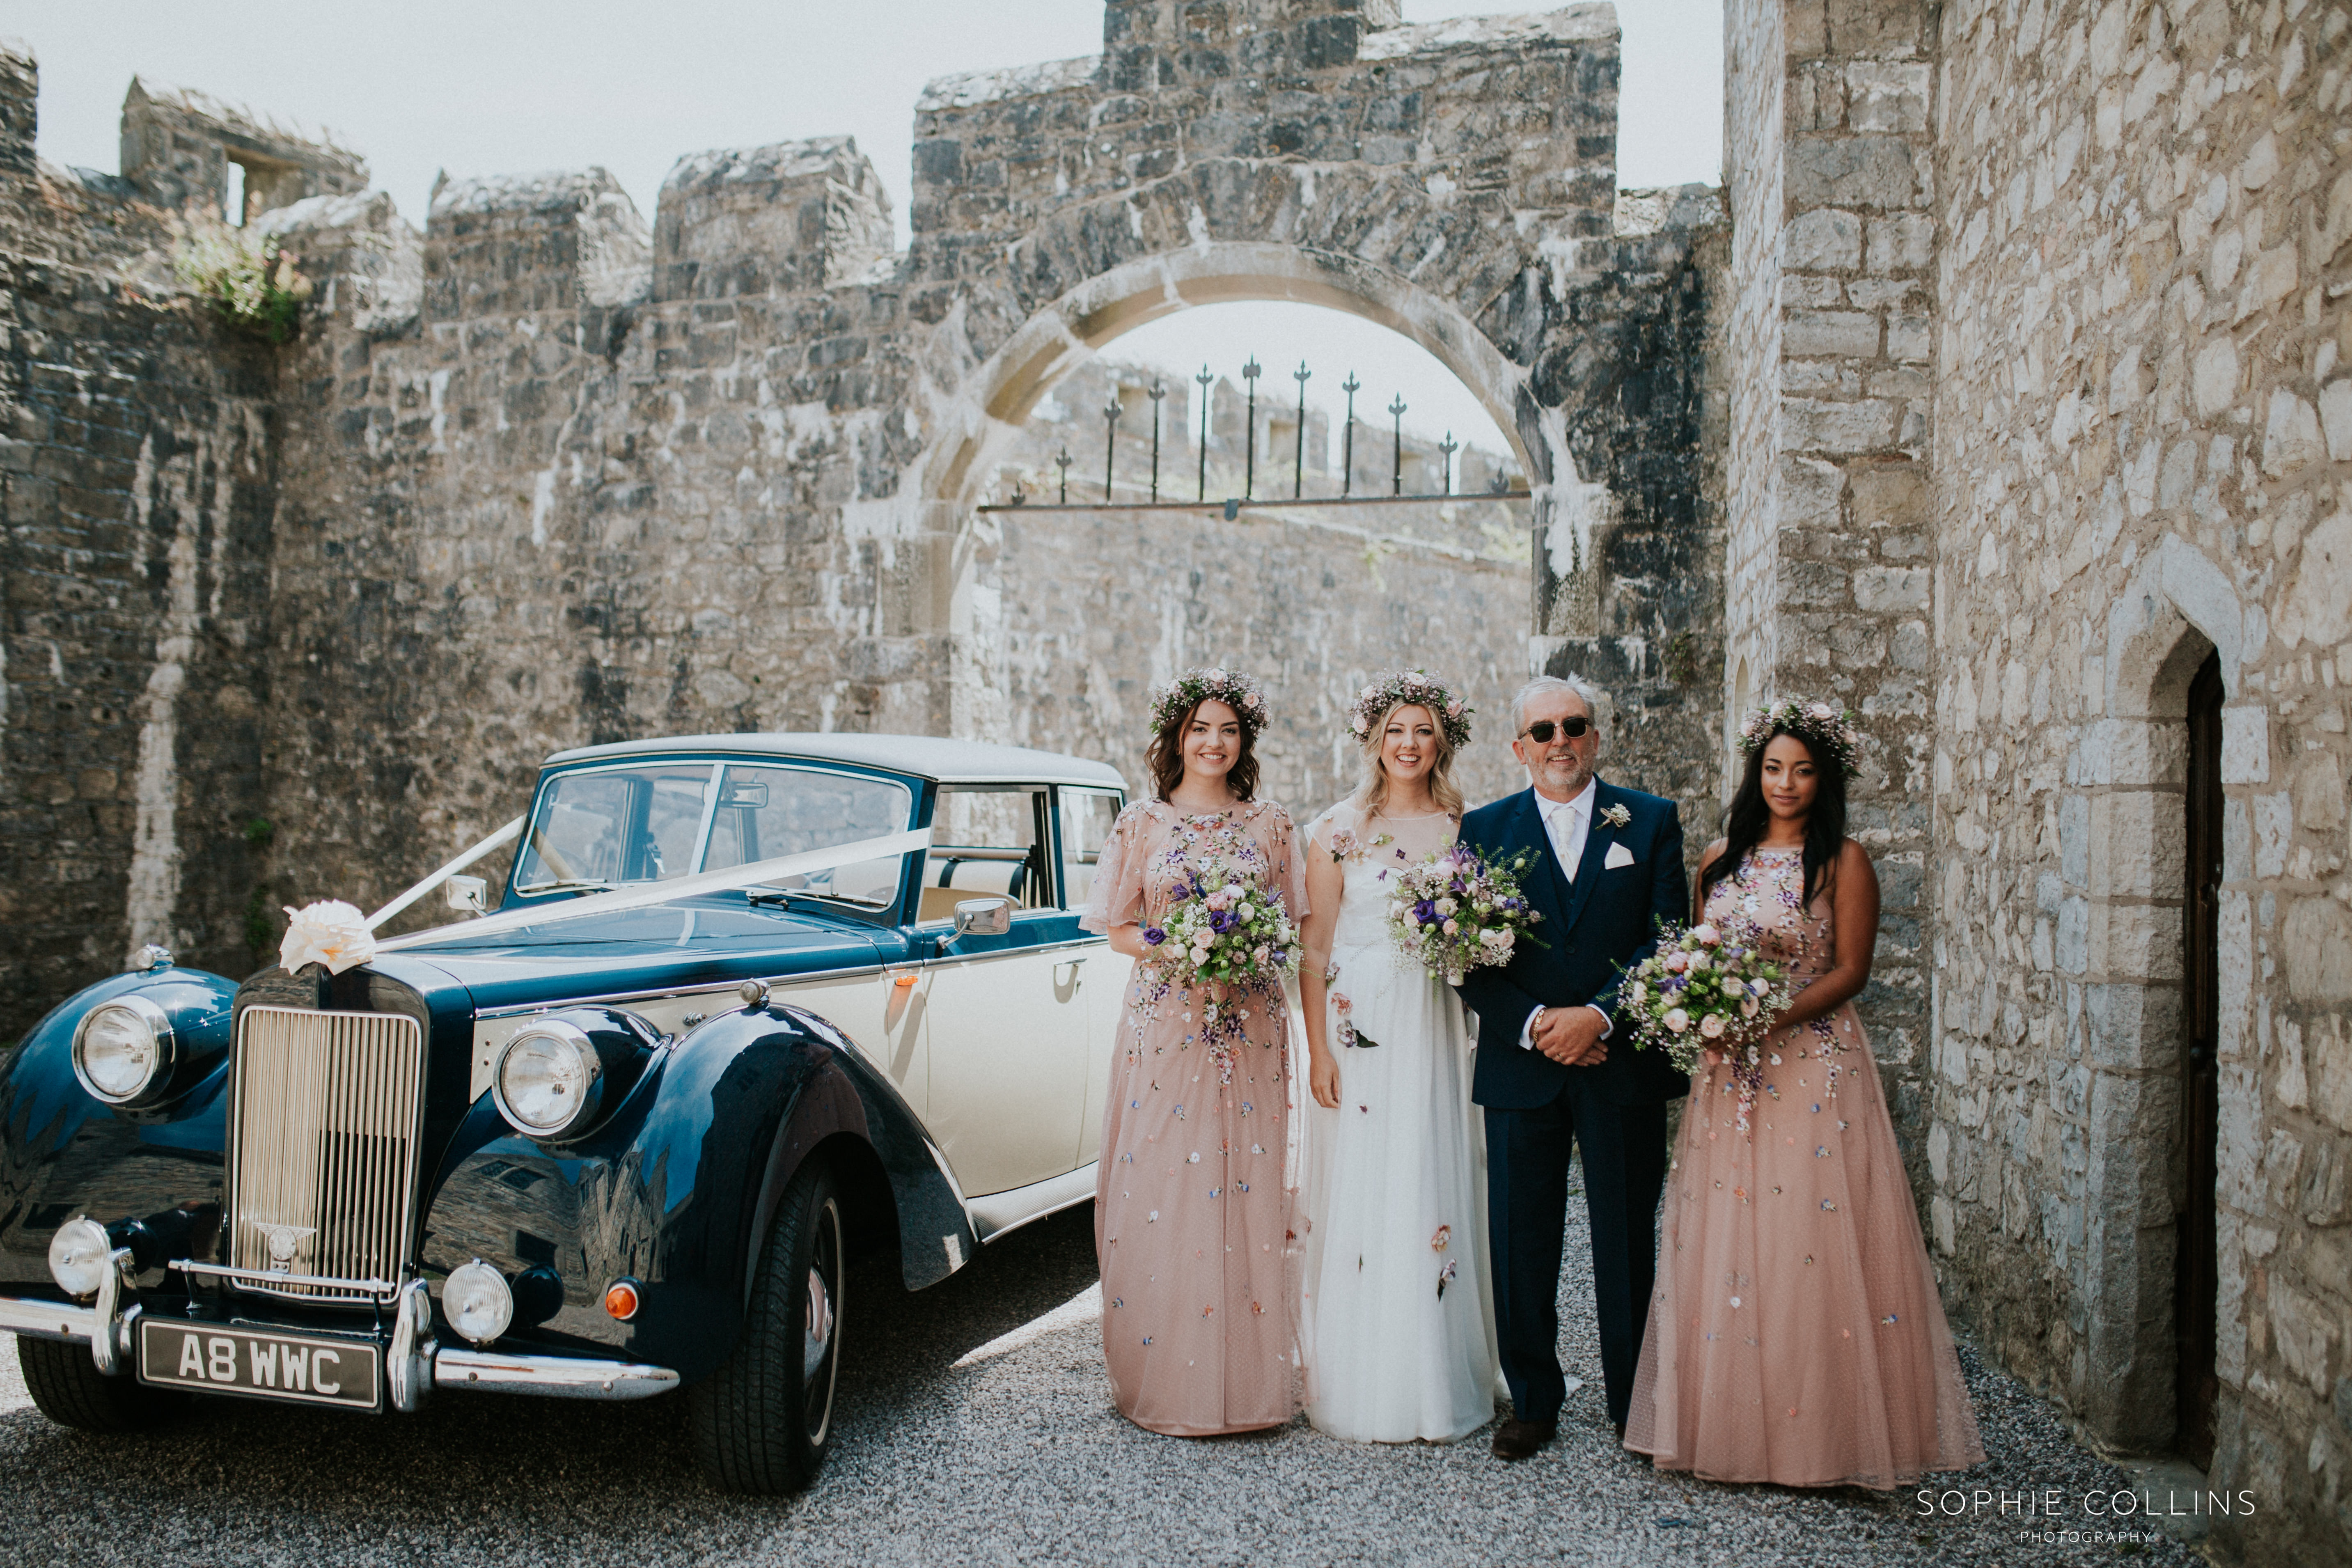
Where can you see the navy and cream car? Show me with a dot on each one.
(747, 1006)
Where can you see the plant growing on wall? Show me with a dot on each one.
(244, 276)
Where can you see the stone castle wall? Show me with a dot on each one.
(2144, 453)
(2038, 331)
(546, 474)
(1830, 172)
(138, 450)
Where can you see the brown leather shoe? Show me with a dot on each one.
(1516, 1439)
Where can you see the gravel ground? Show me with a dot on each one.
(976, 1428)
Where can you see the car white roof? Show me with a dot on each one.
(924, 756)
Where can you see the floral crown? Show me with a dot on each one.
(1401, 686)
(1819, 725)
(1194, 687)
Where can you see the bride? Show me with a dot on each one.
(1398, 1322)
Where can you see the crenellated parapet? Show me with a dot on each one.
(780, 219)
(557, 241)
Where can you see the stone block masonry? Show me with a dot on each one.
(2039, 325)
(1830, 175)
(138, 479)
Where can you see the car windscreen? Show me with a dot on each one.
(653, 821)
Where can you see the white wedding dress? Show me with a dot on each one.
(1397, 1329)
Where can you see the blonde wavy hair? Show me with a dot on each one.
(1373, 793)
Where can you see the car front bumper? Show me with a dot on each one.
(416, 1362)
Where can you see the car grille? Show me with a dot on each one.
(323, 1129)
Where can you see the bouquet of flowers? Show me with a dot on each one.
(1223, 927)
(1706, 989)
(1454, 911)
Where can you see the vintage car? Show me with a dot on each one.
(748, 1005)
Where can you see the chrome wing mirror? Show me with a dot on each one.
(471, 894)
(983, 917)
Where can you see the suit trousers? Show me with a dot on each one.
(1527, 1153)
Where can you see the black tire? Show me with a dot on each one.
(764, 1421)
(70, 1391)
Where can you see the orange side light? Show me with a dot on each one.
(621, 1299)
(903, 982)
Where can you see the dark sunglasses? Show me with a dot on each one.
(1574, 727)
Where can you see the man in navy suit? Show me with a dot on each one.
(1553, 1072)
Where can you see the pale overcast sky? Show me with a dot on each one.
(515, 85)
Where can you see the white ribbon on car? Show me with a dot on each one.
(734, 878)
(502, 836)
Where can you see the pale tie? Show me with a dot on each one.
(1563, 840)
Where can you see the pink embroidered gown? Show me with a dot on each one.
(1195, 1221)
(1795, 1334)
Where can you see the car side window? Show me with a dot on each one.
(986, 840)
(1087, 818)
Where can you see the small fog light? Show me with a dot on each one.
(477, 1302)
(621, 1299)
(78, 1256)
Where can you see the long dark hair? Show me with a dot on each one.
(1166, 756)
(1750, 818)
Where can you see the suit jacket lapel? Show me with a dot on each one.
(1589, 868)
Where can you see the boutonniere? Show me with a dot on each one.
(1616, 816)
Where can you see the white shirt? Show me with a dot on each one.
(1569, 824)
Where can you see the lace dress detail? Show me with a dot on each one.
(1397, 1323)
(1194, 1218)
(1795, 1334)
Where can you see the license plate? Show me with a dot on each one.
(259, 1364)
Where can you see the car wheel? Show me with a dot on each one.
(764, 1420)
(70, 1391)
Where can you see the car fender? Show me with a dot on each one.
(152, 1161)
(934, 1228)
(675, 1190)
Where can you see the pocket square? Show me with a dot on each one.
(1618, 855)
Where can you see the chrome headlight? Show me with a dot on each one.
(79, 1255)
(546, 1080)
(477, 1302)
(122, 1049)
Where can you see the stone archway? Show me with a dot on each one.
(996, 395)
(1454, 183)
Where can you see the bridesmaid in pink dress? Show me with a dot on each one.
(1196, 1225)
(1795, 1334)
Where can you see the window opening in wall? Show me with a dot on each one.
(2194, 1259)
(233, 199)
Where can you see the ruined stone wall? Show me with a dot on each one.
(546, 474)
(591, 484)
(138, 481)
(2143, 452)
